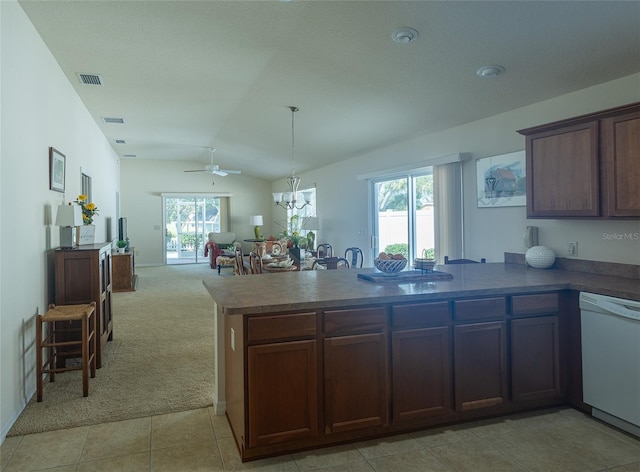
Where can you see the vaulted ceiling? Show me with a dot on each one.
(184, 75)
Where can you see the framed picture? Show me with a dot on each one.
(501, 180)
(57, 164)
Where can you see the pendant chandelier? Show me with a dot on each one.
(288, 200)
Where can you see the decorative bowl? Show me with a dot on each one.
(390, 266)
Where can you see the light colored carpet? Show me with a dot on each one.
(159, 361)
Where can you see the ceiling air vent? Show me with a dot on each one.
(112, 120)
(119, 141)
(90, 79)
(129, 155)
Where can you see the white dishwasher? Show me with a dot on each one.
(611, 359)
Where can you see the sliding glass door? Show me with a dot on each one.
(188, 221)
(403, 214)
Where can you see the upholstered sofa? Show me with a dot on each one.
(220, 248)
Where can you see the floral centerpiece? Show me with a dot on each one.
(292, 233)
(89, 209)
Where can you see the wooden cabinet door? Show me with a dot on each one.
(83, 275)
(421, 366)
(282, 392)
(621, 164)
(479, 359)
(356, 382)
(562, 172)
(535, 360)
(106, 317)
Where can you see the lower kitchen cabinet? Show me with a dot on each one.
(299, 380)
(356, 382)
(421, 373)
(535, 347)
(282, 393)
(356, 377)
(421, 361)
(535, 362)
(480, 361)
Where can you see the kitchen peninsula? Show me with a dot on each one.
(312, 358)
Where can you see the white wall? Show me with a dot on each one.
(488, 232)
(143, 182)
(39, 108)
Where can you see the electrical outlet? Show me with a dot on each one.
(572, 248)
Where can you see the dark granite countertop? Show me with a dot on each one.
(304, 290)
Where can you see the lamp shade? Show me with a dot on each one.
(255, 220)
(69, 215)
(307, 196)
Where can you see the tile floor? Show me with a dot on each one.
(557, 440)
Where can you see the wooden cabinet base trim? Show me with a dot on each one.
(486, 403)
(347, 437)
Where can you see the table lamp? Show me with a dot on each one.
(256, 222)
(68, 217)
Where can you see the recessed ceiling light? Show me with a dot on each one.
(404, 35)
(490, 71)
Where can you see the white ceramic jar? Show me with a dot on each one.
(540, 257)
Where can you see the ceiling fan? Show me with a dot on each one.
(214, 169)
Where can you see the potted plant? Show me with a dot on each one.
(122, 245)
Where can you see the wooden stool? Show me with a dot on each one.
(60, 342)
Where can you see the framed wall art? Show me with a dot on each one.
(57, 168)
(501, 180)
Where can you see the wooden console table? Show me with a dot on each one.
(124, 272)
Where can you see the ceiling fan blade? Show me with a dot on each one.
(219, 172)
(227, 171)
(199, 170)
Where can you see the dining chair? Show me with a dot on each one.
(239, 267)
(255, 263)
(462, 261)
(331, 263)
(354, 256)
(325, 250)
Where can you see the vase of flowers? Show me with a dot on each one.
(292, 233)
(86, 234)
(89, 209)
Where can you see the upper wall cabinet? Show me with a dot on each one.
(585, 167)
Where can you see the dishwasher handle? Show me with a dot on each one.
(620, 310)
